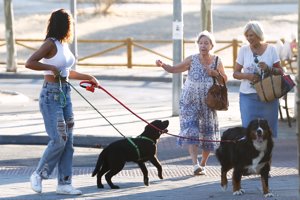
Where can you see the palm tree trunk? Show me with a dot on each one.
(10, 39)
(206, 12)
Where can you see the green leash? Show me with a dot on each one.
(136, 147)
(62, 96)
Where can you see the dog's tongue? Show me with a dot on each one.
(260, 139)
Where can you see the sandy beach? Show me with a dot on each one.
(152, 19)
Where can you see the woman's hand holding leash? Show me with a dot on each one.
(94, 81)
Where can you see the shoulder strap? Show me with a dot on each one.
(215, 80)
(215, 67)
(216, 63)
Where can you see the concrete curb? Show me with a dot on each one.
(108, 77)
(100, 77)
(79, 141)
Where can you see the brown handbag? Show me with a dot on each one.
(217, 97)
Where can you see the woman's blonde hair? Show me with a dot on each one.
(256, 27)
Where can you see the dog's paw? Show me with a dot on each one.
(224, 187)
(100, 186)
(160, 174)
(114, 187)
(268, 195)
(146, 181)
(239, 192)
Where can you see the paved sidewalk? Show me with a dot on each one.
(17, 161)
(177, 183)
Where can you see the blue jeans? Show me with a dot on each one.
(56, 108)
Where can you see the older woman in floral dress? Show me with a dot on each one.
(199, 125)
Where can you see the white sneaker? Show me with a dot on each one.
(203, 171)
(67, 189)
(197, 170)
(36, 182)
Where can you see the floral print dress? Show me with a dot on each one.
(198, 123)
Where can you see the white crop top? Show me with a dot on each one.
(63, 59)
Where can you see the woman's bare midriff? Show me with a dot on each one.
(51, 79)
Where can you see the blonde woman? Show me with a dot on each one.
(253, 59)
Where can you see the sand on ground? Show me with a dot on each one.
(152, 20)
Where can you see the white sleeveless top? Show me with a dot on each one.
(63, 59)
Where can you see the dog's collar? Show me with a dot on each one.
(146, 138)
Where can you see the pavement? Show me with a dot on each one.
(147, 91)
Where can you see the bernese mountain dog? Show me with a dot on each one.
(248, 151)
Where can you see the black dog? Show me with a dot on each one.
(250, 154)
(141, 149)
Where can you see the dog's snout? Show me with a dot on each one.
(259, 132)
(163, 131)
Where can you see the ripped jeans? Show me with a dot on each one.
(59, 122)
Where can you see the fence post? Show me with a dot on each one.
(129, 52)
(234, 51)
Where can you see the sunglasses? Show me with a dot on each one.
(255, 58)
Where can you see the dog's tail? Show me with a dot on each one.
(98, 165)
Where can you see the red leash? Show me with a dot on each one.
(90, 86)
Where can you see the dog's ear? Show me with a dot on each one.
(253, 125)
(250, 126)
(265, 125)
